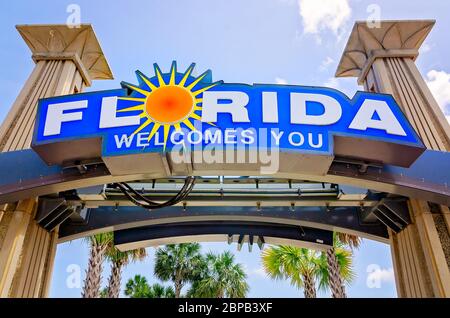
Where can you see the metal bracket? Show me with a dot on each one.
(82, 165)
(52, 212)
(392, 212)
(363, 165)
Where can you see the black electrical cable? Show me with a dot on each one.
(125, 188)
(137, 198)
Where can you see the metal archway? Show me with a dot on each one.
(35, 178)
(367, 215)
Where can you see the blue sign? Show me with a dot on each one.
(178, 109)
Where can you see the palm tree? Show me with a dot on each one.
(223, 278)
(99, 243)
(336, 269)
(139, 288)
(300, 265)
(160, 291)
(339, 264)
(350, 240)
(180, 263)
(194, 290)
(104, 293)
(118, 261)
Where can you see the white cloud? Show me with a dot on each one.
(382, 275)
(346, 85)
(439, 84)
(258, 272)
(425, 48)
(325, 63)
(320, 15)
(280, 81)
(255, 272)
(332, 82)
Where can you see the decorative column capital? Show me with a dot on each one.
(60, 42)
(399, 38)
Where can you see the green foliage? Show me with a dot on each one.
(293, 263)
(160, 291)
(104, 293)
(222, 278)
(180, 263)
(219, 276)
(138, 287)
(102, 239)
(116, 256)
(344, 258)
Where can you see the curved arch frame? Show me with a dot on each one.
(36, 178)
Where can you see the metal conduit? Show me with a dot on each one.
(303, 192)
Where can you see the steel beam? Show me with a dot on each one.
(344, 219)
(155, 235)
(428, 178)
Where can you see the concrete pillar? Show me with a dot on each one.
(67, 60)
(382, 58)
(13, 228)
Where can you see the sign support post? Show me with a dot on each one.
(382, 58)
(67, 60)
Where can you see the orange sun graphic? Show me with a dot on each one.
(168, 100)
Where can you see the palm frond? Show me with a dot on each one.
(290, 262)
(350, 240)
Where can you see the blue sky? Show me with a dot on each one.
(252, 41)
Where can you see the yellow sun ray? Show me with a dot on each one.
(133, 99)
(189, 124)
(197, 80)
(137, 89)
(159, 76)
(142, 126)
(203, 89)
(136, 107)
(186, 75)
(195, 116)
(153, 131)
(150, 98)
(146, 81)
(173, 72)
